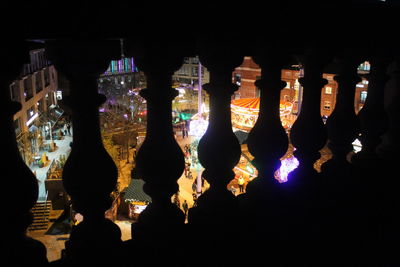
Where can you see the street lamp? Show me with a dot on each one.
(200, 111)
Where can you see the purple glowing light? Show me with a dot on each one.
(120, 68)
(287, 165)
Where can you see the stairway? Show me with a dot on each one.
(41, 212)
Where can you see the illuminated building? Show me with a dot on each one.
(36, 89)
(246, 74)
(120, 79)
(188, 72)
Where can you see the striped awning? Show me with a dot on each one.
(248, 103)
(245, 111)
(252, 106)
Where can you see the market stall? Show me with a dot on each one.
(136, 198)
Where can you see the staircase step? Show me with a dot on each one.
(41, 213)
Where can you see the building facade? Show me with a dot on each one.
(37, 91)
(189, 72)
(245, 76)
(119, 81)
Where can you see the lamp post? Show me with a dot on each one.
(200, 111)
(199, 96)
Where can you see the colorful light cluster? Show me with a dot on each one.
(287, 165)
(122, 66)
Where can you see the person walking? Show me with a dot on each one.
(194, 185)
(65, 129)
(69, 129)
(194, 195)
(185, 170)
(185, 207)
(183, 131)
(241, 184)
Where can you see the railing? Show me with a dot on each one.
(346, 214)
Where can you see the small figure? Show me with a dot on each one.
(241, 184)
(185, 207)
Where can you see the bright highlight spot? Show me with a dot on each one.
(357, 146)
(287, 165)
(198, 127)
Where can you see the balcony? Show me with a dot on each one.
(347, 214)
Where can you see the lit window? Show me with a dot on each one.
(238, 79)
(366, 66)
(363, 96)
(328, 90)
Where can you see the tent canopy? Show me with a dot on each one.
(241, 136)
(248, 103)
(134, 192)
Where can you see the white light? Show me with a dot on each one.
(32, 119)
(198, 127)
(59, 95)
(357, 145)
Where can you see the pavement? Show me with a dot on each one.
(185, 184)
(63, 148)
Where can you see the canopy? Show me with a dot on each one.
(241, 136)
(184, 116)
(245, 112)
(247, 103)
(253, 104)
(135, 192)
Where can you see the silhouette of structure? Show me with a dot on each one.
(345, 215)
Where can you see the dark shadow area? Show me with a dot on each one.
(61, 226)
